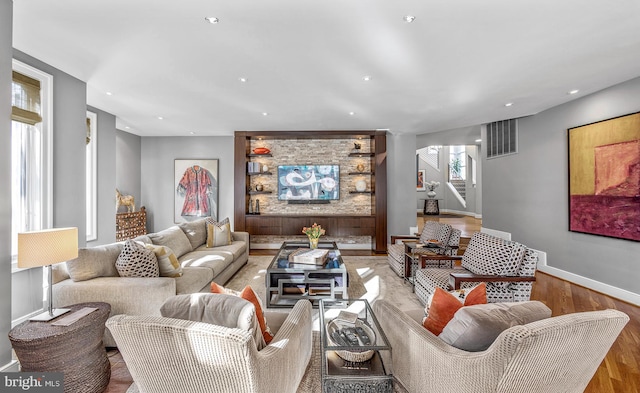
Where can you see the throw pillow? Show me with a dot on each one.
(94, 262)
(217, 309)
(218, 233)
(174, 238)
(444, 305)
(475, 328)
(196, 231)
(248, 294)
(168, 263)
(135, 260)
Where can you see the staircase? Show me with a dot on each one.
(460, 186)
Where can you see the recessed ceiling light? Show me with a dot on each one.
(478, 140)
(366, 78)
(241, 79)
(265, 114)
(108, 93)
(575, 91)
(192, 132)
(508, 104)
(212, 19)
(351, 113)
(127, 127)
(160, 118)
(409, 18)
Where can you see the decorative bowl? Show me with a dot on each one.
(354, 355)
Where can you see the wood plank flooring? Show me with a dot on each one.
(619, 371)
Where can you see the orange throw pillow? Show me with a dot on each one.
(445, 304)
(248, 294)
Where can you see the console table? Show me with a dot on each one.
(75, 350)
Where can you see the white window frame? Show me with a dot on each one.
(92, 179)
(46, 105)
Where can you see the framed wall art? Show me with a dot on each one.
(195, 189)
(604, 178)
(420, 186)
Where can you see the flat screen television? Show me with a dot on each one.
(308, 182)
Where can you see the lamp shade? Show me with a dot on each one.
(46, 247)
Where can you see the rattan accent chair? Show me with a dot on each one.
(444, 233)
(166, 355)
(506, 266)
(558, 354)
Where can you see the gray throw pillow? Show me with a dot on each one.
(475, 328)
(95, 262)
(174, 238)
(217, 309)
(196, 231)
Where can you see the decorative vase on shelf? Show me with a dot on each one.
(360, 168)
(432, 185)
(313, 242)
(361, 185)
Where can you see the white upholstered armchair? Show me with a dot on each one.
(173, 355)
(445, 234)
(558, 354)
(506, 266)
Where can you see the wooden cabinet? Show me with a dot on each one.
(372, 224)
(130, 225)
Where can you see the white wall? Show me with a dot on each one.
(157, 167)
(6, 27)
(526, 194)
(401, 183)
(106, 177)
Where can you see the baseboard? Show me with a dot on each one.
(11, 367)
(609, 290)
(496, 233)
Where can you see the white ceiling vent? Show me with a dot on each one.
(502, 138)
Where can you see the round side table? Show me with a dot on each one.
(75, 350)
(431, 207)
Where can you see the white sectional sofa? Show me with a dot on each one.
(93, 277)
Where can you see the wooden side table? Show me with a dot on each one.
(75, 350)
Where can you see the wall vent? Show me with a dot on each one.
(502, 138)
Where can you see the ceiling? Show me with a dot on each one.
(457, 64)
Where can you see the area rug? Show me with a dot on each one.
(369, 278)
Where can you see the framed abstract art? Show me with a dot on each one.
(420, 186)
(604, 178)
(195, 189)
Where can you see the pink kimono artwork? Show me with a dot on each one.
(196, 186)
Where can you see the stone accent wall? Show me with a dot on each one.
(314, 152)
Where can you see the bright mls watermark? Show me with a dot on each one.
(32, 382)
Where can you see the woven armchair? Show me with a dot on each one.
(506, 266)
(173, 355)
(559, 354)
(444, 233)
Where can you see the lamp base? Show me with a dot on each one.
(47, 316)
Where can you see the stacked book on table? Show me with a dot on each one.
(309, 256)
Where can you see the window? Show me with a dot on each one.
(31, 155)
(457, 162)
(91, 176)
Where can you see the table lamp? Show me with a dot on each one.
(44, 248)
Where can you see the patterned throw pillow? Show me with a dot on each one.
(218, 233)
(444, 305)
(248, 294)
(168, 263)
(135, 260)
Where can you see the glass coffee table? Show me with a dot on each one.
(356, 355)
(286, 282)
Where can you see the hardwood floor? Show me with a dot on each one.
(618, 373)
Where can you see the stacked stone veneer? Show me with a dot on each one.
(314, 152)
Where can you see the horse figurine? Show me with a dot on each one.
(125, 200)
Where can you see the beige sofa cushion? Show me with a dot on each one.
(475, 328)
(99, 261)
(214, 260)
(217, 309)
(196, 232)
(168, 263)
(193, 279)
(174, 238)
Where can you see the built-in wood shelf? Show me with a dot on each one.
(360, 192)
(259, 192)
(259, 173)
(259, 155)
(370, 154)
(359, 173)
